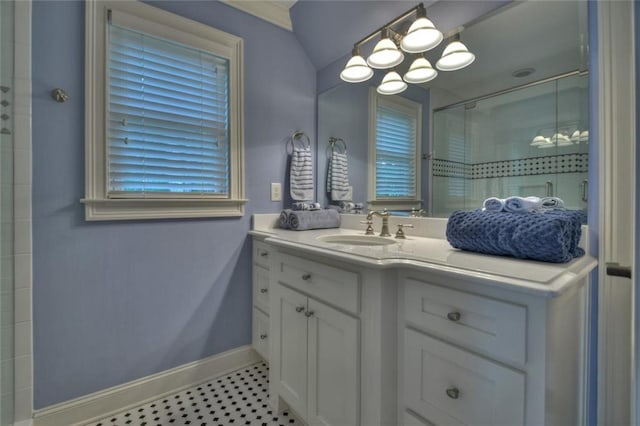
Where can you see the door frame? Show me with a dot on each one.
(616, 210)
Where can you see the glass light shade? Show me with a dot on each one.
(385, 55)
(356, 70)
(420, 71)
(391, 84)
(539, 141)
(455, 56)
(584, 136)
(422, 36)
(575, 137)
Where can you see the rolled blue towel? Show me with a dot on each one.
(493, 204)
(522, 204)
(552, 203)
(548, 237)
(283, 220)
(318, 219)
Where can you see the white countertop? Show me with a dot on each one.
(430, 253)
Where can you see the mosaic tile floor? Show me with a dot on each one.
(239, 398)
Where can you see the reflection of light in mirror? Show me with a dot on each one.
(540, 140)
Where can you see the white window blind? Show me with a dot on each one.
(167, 118)
(396, 139)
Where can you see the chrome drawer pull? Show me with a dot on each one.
(264, 290)
(300, 309)
(454, 316)
(306, 277)
(263, 336)
(309, 314)
(453, 393)
(264, 253)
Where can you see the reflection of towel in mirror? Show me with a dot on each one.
(552, 203)
(338, 177)
(493, 204)
(301, 174)
(301, 205)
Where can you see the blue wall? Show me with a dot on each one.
(121, 300)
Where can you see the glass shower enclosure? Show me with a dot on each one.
(528, 141)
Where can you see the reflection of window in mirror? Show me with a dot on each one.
(395, 129)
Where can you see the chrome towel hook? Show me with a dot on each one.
(59, 95)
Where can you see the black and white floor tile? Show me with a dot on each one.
(239, 398)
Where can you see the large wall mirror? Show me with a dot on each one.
(515, 122)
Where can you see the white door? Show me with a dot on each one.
(616, 210)
(288, 376)
(333, 367)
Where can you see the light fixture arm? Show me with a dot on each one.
(391, 23)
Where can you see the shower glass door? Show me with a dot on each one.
(6, 213)
(531, 141)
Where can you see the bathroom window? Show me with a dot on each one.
(164, 120)
(395, 129)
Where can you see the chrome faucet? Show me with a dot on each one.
(385, 221)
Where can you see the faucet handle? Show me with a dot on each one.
(400, 232)
(369, 223)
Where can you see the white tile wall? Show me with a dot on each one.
(23, 335)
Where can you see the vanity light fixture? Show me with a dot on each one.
(356, 70)
(385, 54)
(455, 56)
(391, 84)
(421, 36)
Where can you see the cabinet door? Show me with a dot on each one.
(261, 333)
(333, 367)
(288, 377)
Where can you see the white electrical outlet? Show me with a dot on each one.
(276, 191)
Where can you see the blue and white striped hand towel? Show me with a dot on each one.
(301, 174)
(338, 177)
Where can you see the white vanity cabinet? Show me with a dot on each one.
(261, 288)
(478, 355)
(315, 346)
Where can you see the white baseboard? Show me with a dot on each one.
(24, 423)
(118, 398)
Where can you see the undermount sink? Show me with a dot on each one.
(356, 240)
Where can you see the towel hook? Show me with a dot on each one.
(333, 141)
(298, 135)
(59, 95)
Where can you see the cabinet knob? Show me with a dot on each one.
(264, 253)
(453, 393)
(300, 309)
(306, 277)
(264, 290)
(263, 336)
(308, 314)
(454, 316)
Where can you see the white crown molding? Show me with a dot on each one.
(273, 11)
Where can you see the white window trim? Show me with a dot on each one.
(400, 203)
(97, 205)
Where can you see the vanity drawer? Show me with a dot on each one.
(410, 419)
(261, 254)
(447, 385)
(492, 326)
(261, 288)
(333, 285)
(261, 333)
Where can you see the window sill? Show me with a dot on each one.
(133, 209)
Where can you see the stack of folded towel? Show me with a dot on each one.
(525, 228)
(301, 205)
(521, 204)
(302, 220)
